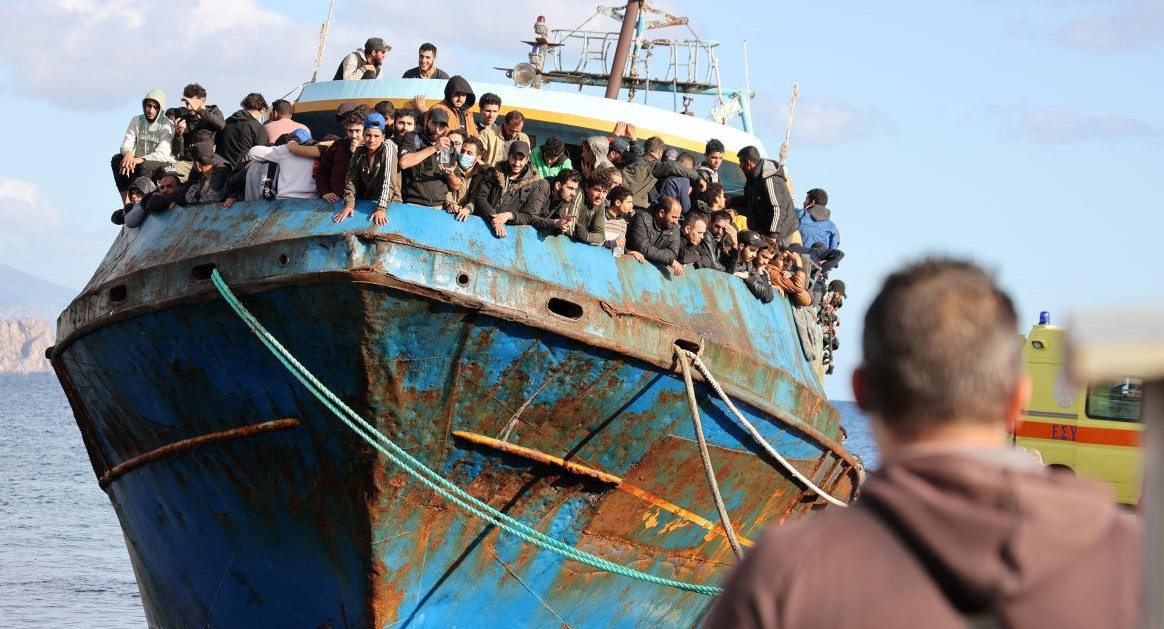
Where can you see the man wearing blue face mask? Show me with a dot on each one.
(465, 179)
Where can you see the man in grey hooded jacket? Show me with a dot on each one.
(146, 145)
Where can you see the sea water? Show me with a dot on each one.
(63, 561)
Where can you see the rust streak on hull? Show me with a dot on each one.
(675, 509)
(186, 445)
(537, 455)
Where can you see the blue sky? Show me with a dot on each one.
(1025, 134)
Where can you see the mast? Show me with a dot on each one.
(630, 19)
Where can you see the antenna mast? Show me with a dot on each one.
(322, 41)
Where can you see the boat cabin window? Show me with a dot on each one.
(1117, 400)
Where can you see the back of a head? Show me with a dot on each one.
(254, 102)
(939, 348)
(654, 145)
(385, 108)
(818, 196)
(282, 107)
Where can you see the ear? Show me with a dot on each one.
(1019, 400)
(859, 395)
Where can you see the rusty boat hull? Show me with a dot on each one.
(245, 503)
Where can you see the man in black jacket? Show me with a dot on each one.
(655, 234)
(767, 203)
(243, 130)
(700, 248)
(511, 188)
(746, 267)
(559, 211)
(425, 177)
(198, 117)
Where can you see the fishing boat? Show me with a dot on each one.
(308, 424)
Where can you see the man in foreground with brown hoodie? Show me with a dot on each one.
(956, 528)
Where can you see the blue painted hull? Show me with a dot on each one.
(424, 327)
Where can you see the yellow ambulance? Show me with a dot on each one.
(1094, 430)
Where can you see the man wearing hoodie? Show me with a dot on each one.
(767, 203)
(243, 129)
(146, 144)
(815, 221)
(957, 528)
(459, 98)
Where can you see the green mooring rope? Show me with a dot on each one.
(424, 474)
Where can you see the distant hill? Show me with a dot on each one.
(29, 307)
(23, 296)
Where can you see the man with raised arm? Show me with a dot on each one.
(956, 528)
(654, 233)
(426, 65)
(367, 64)
(198, 117)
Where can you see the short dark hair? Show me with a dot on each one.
(253, 102)
(427, 47)
(282, 107)
(601, 177)
(405, 113)
(475, 141)
(694, 216)
(713, 146)
(687, 156)
(663, 204)
(818, 196)
(749, 153)
(618, 193)
(940, 345)
(721, 215)
(363, 110)
(385, 108)
(489, 98)
(654, 144)
(553, 147)
(711, 192)
(566, 175)
(194, 90)
(514, 116)
(352, 118)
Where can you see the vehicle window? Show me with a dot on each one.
(1118, 400)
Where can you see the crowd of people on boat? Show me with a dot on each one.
(639, 199)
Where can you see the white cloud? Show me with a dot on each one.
(1055, 125)
(1134, 25)
(99, 54)
(36, 237)
(23, 210)
(822, 122)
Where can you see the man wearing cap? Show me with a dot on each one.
(370, 172)
(512, 187)
(146, 145)
(747, 268)
(363, 65)
(426, 159)
(207, 176)
(654, 233)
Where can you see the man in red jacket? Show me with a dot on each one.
(956, 528)
(333, 163)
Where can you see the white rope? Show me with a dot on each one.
(708, 471)
(756, 435)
